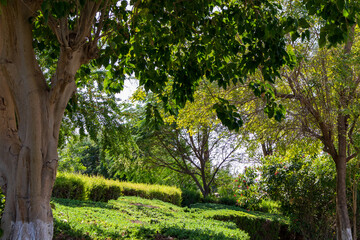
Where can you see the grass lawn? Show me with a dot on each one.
(136, 218)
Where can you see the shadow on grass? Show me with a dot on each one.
(214, 206)
(77, 203)
(63, 231)
(181, 233)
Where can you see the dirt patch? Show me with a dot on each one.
(162, 237)
(143, 205)
(137, 221)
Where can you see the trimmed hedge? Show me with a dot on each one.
(258, 225)
(81, 187)
(69, 186)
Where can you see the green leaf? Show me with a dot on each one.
(303, 23)
(340, 4)
(322, 39)
(294, 36)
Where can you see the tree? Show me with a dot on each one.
(194, 142)
(324, 87)
(200, 155)
(262, 136)
(224, 40)
(32, 106)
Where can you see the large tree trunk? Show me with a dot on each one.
(30, 118)
(28, 133)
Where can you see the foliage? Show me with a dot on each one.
(224, 185)
(136, 218)
(193, 142)
(216, 42)
(258, 225)
(190, 197)
(73, 156)
(2, 202)
(100, 189)
(2, 206)
(102, 144)
(339, 16)
(69, 186)
(269, 206)
(86, 156)
(353, 193)
(305, 188)
(250, 189)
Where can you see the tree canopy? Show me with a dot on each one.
(49, 49)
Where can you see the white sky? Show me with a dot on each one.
(130, 86)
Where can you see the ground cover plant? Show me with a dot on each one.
(258, 225)
(136, 218)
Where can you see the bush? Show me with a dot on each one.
(227, 200)
(101, 192)
(190, 197)
(268, 206)
(258, 225)
(81, 187)
(250, 189)
(305, 188)
(69, 186)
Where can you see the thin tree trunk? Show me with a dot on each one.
(354, 208)
(343, 222)
(343, 226)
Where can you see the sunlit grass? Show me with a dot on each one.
(136, 218)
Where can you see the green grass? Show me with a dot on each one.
(137, 218)
(259, 225)
(207, 208)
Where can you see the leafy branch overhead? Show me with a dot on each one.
(218, 40)
(224, 41)
(185, 41)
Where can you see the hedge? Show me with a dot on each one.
(81, 187)
(259, 226)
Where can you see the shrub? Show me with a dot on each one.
(69, 186)
(305, 188)
(250, 189)
(190, 197)
(228, 200)
(269, 206)
(81, 187)
(259, 226)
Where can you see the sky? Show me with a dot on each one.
(130, 87)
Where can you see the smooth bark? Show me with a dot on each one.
(30, 118)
